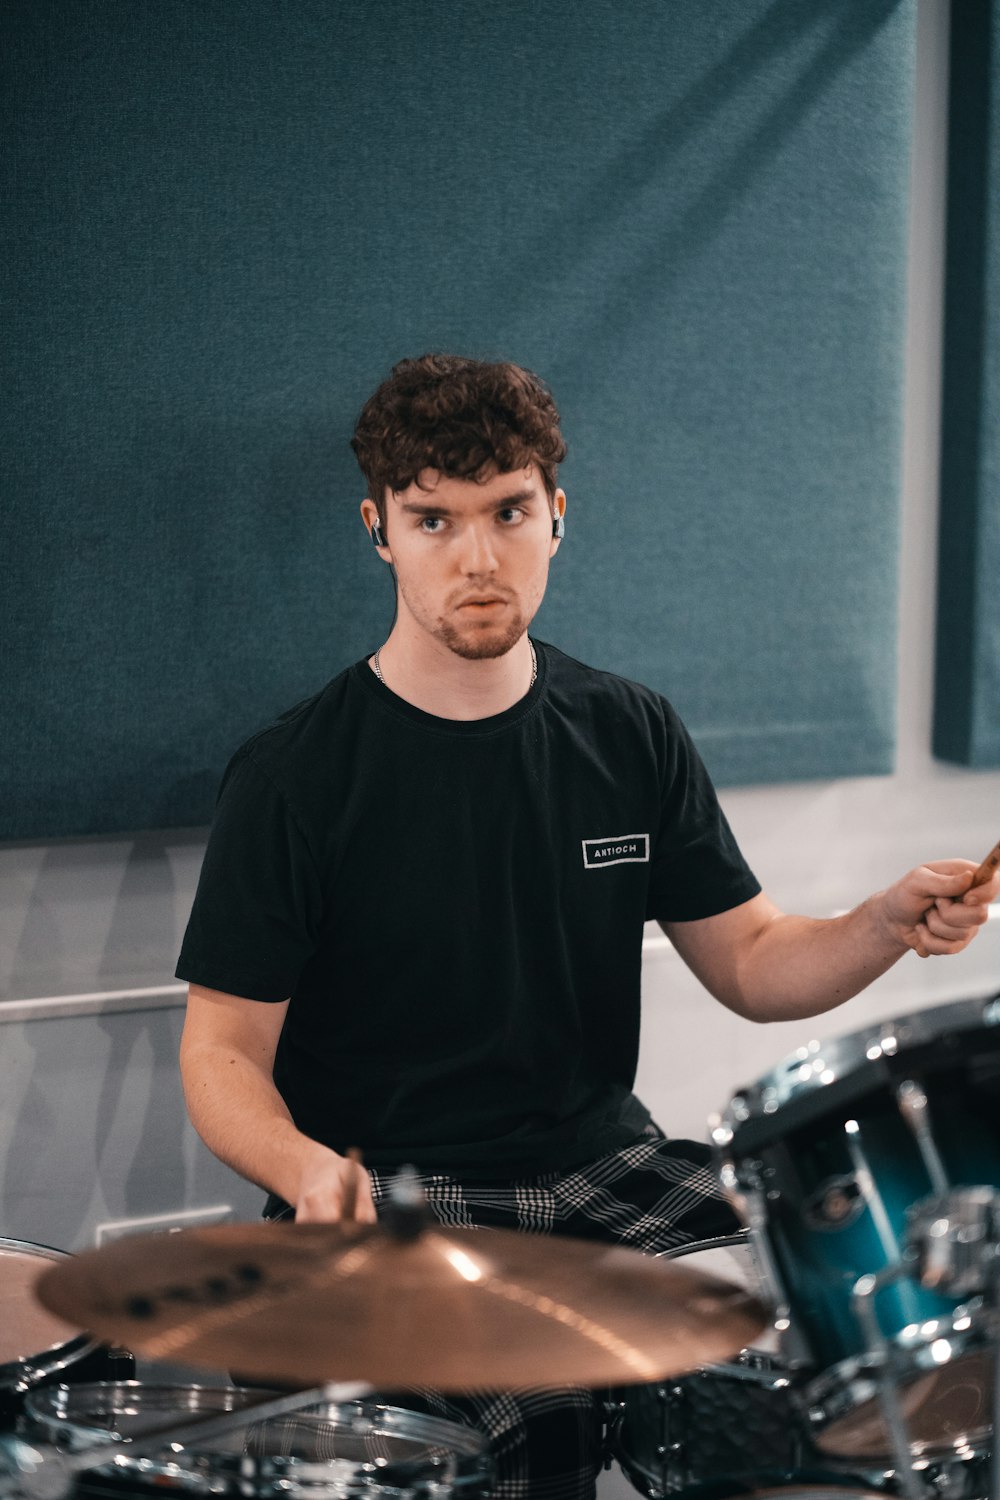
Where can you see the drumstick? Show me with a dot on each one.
(985, 871)
(350, 1204)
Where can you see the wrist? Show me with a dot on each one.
(297, 1158)
(887, 930)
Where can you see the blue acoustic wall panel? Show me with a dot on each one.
(230, 220)
(967, 696)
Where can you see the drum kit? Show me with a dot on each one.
(845, 1345)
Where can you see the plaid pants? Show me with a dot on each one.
(654, 1195)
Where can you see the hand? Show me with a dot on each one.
(326, 1186)
(933, 911)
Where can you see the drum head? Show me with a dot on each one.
(33, 1342)
(946, 1411)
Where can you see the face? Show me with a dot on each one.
(471, 559)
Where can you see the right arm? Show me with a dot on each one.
(227, 1057)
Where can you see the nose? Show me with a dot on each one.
(478, 555)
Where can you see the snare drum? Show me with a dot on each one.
(323, 1451)
(36, 1346)
(825, 1156)
(725, 1430)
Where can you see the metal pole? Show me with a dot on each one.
(993, 1304)
(862, 1297)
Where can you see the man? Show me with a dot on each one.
(418, 928)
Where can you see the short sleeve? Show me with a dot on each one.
(258, 906)
(697, 867)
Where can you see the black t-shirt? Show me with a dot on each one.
(456, 909)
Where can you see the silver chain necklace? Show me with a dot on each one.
(531, 648)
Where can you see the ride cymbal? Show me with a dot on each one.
(458, 1309)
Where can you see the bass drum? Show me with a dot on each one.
(727, 1430)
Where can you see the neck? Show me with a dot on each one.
(431, 677)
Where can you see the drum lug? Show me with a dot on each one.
(614, 1416)
(28, 1377)
(913, 1107)
(674, 1419)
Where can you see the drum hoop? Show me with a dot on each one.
(853, 1382)
(22, 1374)
(399, 1421)
(720, 1242)
(817, 1065)
(48, 1407)
(195, 1466)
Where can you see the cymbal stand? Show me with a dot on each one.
(988, 1284)
(957, 1259)
(30, 1472)
(994, 1305)
(954, 1239)
(863, 1300)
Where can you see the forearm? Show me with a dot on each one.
(769, 966)
(239, 1114)
(227, 1061)
(803, 966)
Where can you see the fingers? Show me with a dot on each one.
(982, 895)
(930, 944)
(955, 919)
(326, 1206)
(945, 877)
(334, 1189)
(948, 927)
(358, 1203)
(953, 878)
(950, 924)
(937, 910)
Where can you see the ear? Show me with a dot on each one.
(558, 513)
(372, 519)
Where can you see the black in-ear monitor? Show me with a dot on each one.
(558, 526)
(378, 536)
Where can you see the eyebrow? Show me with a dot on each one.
(415, 508)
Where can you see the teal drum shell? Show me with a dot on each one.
(833, 1166)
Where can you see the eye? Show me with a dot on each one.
(511, 515)
(429, 525)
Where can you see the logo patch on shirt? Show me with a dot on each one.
(622, 849)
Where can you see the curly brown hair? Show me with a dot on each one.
(462, 417)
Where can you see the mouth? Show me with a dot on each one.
(482, 603)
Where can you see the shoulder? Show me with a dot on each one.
(607, 694)
(619, 717)
(297, 739)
